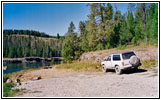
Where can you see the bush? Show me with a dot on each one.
(7, 88)
(5, 77)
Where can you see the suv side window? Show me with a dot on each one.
(109, 58)
(116, 57)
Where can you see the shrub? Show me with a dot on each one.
(5, 77)
(7, 88)
(8, 91)
(148, 63)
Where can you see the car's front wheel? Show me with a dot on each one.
(118, 70)
(104, 68)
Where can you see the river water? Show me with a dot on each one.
(13, 67)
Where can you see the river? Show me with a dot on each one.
(13, 67)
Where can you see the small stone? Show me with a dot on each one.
(98, 66)
(19, 76)
(45, 67)
(17, 80)
(36, 78)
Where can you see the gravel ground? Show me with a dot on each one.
(132, 84)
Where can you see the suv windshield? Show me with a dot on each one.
(127, 55)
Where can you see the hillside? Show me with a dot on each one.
(144, 52)
(25, 32)
(21, 45)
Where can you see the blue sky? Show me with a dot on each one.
(51, 18)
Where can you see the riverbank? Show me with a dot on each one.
(55, 71)
(27, 59)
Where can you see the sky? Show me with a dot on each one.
(51, 18)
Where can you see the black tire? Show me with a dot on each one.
(118, 70)
(104, 69)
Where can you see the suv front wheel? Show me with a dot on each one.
(118, 70)
(104, 68)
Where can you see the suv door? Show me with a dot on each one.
(116, 60)
(108, 62)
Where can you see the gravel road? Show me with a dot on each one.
(139, 84)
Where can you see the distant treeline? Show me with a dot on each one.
(29, 32)
(25, 32)
(27, 45)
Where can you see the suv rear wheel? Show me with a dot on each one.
(118, 70)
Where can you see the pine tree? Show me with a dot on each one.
(92, 27)
(84, 43)
(71, 28)
(130, 25)
(116, 36)
(58, 36)
(108, 12)
(70, 45)
(82, 26)
(124, 37)
(152, 23)
(139, 33)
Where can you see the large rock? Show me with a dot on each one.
(8, 81)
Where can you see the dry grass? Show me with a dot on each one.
(87, 66)
(149, 64)
(14, 75)
(129, 47)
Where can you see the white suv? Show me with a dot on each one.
(121, 61)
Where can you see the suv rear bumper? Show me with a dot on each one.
(130, 66)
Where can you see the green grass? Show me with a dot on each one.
(8, 92)
(148, 64)
(87, 66)
(7, 88)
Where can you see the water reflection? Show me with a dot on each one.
(13, 67)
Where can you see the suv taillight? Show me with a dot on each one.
(122, 63)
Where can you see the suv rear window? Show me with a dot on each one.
(127, 55)
(116, 57)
